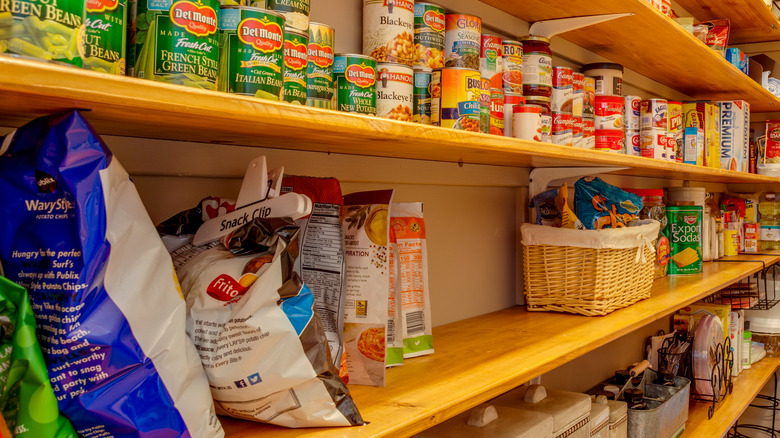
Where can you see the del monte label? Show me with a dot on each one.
(264, 35)
(197, 18)
(361, 75)
(320, 56)
(97, 6)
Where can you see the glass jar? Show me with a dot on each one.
(537, 66)
(653, 207)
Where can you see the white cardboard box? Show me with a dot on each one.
(734, 135)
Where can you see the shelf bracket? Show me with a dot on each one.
(550, 28)
(541, 177)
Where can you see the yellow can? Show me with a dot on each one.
(455, 98)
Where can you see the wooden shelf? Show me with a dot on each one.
(752, 21)
(141, 108)
(651, 44)
(482, 357)
(746, 386)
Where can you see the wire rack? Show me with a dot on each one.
(760, 291)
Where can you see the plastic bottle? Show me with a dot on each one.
(770, 222)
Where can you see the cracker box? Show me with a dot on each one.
(734, 134)
(706, 116)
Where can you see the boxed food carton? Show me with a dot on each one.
(693, 146)
(752, 237)
(705, 115)
(738, 59)
(734, 134)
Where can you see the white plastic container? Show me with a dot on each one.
(599, 418)
(570, 411)
(488, 421)
(608, 76)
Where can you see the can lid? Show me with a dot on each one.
(535, 38)
(646, 192)
(527, 109)
(602, 65)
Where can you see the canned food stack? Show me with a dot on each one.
(654, 122)
(608, 106)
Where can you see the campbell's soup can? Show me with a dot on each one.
(510, 100)
(633, 143)
(484, 105)
(632, 112)
(588, 133)
(496, 111)
(388, 30)
(589, 97)
(429, 35)
(527, 122)
(578, 96)
(319, 71)
(394, 91)
(654, 114)
(578, 125)
(562, 89)
(771, 152)
(296, 60)
(610, 140)
(237, 73)
(562, 128)
(652, 143)
(421, 110)
(462, 40)
(491, 59)
(609, 112)
(455, 93)
(513, 66)
(355, 82)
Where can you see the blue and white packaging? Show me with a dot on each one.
(738, 59)
(693, 146)
(109, 313)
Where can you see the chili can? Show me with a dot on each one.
(684, 234)
(455, 98)
(388, 30)
(296, 60)
(537, 66)
(429, 35)
(355, 80)
(422, 95)
(319, 70)
(462, 40)
(512, 73)
(296, 12)
(249, 64)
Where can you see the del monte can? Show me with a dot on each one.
(296, 59)
(104, 41)
(684, 233)
(44, 29)
(251, 52)
(319, 83)
(355, 77)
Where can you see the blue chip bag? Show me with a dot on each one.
(600, 205)
(109, 314)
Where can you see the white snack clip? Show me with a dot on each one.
(275, 182)
(254, 188)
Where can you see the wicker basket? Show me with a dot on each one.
(588, 272)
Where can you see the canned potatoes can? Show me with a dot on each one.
(455, 98)
(462, 41)
(394, 90)
(249, 64)
(429, 35)
(319, 70)
(295, 12)
(422, 95)
(106, 34)
(684, 234)
(296, 59)
(355, 78)
(388, 30)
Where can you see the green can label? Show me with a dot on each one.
(104, 48)
(684, 233)
(252, 54)
(296, 12)
(319, 75)
(422, 96)
(355, 84)
(46, 29)
(296, 58)
(181, 45)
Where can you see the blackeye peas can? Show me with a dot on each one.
(251, 52)
(49, 30)
(296, 59)
(684, 234)
(388, 30)
(394, 91)
(295, 12)
(455, 98)
(422, 95)
(319, 71)
(428, 35)
(104, 42)
(355, 80)
(181, 42)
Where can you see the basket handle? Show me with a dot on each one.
(640, 250)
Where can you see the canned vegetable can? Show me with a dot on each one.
(295, 12)
(684, 234)
(106, 34)
(388, 30)
(319, 70)
(422, 95)
(484, 105)
(429, 35)
(355, 77)
(53, 31)
(251, 52)
(394, 91)
(296, 59)
(462, 41)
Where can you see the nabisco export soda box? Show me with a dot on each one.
(734, 134)
(705, 115)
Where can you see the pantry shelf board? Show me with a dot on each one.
(482, 357)
(134, 107)
(651, 44)
(746, 387)
(752, 21)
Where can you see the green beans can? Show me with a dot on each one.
(179, 42)
(319, 75)
(422, 95)
(355, 77)
(296, 12)
(105, 46)
(296, 58)
(684, 233)
(251, 52)
(50, 30)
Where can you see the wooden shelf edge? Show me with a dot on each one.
(146, 109)
(482, 357)
(746, 386)
(751, 22)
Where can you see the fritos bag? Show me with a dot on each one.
(254, 323)
(109, 314)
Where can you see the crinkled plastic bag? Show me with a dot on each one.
(109, 316)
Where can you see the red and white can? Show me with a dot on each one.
(576, 132)
(609, 112)
(527, 122)
(513, 66)
(562, 90)
(631, 113)
(490, 59)
(562, 127)
(654, 114)
(652, 143)
(588, 133)
(633, 143)
(496, 124)
(510, 100)
(671, 146)
(609, 140)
